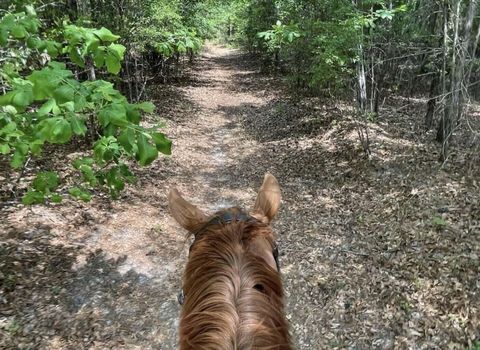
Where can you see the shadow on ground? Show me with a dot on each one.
(50, 301)
(376, 253)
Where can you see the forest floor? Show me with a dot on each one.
(379, 253)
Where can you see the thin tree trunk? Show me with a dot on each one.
(362, 81)
(454, 109)
(362, 129)
(84, 8)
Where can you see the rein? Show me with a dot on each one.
(226, 218)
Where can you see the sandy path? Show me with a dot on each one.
(128, 287)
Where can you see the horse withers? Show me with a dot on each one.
(232, 291)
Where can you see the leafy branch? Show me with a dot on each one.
(49, 105)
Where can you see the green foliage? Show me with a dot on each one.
(43, 187)
(475, 346)
(46, 104)
(319, 46)
(280, 35)
(98, 44)
(80, 193)
(177, 43)
(438, 221)
(166, 31)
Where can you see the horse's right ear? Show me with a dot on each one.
(268, 199)
(185, 213)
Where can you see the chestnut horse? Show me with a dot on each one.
(232, 291)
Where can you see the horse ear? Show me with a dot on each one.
(268, 199)
(185, 213)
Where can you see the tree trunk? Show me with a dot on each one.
(84, 8)
(454, 108)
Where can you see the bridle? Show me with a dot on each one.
(226, 218)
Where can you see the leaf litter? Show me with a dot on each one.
(379, 253)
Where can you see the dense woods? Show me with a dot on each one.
(366, 50)
(98, 96)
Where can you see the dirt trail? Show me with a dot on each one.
(126, 258)
(363, 265)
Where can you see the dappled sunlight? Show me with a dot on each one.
(386, 140)
(373, 252)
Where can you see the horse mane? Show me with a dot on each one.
(233, 298)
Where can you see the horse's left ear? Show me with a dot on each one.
(185, 213)
(268, 199)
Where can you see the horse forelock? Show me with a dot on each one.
(234, 299)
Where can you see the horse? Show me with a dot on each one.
(232, 289)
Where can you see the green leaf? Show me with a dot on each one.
(439, 221)
(113, 63)
(146, 153)
(181, 48)
(31, 24)
(6, 99)
(36, 146)
(106, 35)
(52, 48)
(106, 149)
(55, 130)
(80, 102)
(19, 32)
(162, 144)
(56, 198)
(127, 139)
(126, 173)
(189, 43)
(99, 57)
(77, 163)
(113, 114)
(133, 114)
(45, 181)
(21, 99)
(61, 131)
(91, 45)
(118, 50)
(4, 148)
(8, 129)
(68, 106)
(114, 180)
(33, 197)
(78, 125)
(79, 193)
(76, 57)
(3, 37)
(17, 160)
(19, 156)
(147, 107)
(46, 107)
(33, 42)
(110, 130)
(48, 79)
(88, 174)
(63, 93)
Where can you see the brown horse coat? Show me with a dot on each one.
(233, 291)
